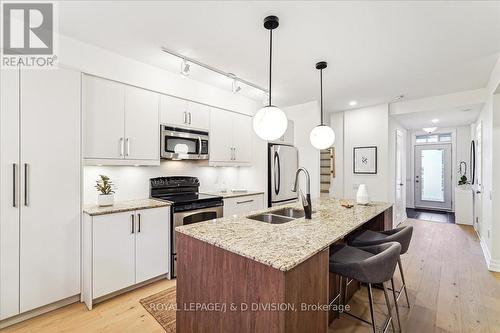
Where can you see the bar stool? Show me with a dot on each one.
(370, 265)
(400, 235)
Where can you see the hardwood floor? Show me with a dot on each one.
(450, 291)
(450, 288)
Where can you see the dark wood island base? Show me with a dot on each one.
(220, 291)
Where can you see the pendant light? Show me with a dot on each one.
(322, 136)
(270, 122)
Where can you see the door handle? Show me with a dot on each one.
(128, 146)
(139, 222)
(132, 222)
(122, 147)
(26, 186)
(184, 115)
(277, 171)
(234, 153)
(199, 146)
(14, 185)
(242, 202)
(189, 118)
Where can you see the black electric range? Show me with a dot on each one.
(188, 205)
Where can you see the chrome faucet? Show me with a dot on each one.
(306, 201)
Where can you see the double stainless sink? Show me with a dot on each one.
(279, 216)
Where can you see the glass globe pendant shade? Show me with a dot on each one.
(322, 137)
(270, 123)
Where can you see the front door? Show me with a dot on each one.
(433, 176)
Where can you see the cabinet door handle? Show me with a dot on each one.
(185, 117)
(132, 222)
(26, 185)
(234, 149)
(242, 202)
(199, 146)
(189, 117)
(122, 147)
(139, 222)
(128, 146)
(14, 184)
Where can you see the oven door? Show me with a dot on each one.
(190, 217)
(179, 145)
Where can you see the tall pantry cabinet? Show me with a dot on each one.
(40, 173)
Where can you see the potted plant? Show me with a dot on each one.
(106, 194)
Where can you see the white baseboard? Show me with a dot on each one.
(39, 311)
(493, 265)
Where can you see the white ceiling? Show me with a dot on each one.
(449, 117)
(375, 50)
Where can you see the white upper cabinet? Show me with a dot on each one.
(198, 115)
(173, 111)
(104, 119)
(242, 138)
(178, 112)
(120, 123)
(221, 133)
(142, 133)
(230, 138)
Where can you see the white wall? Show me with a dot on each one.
(394, 126)
(367, 127)
(489, 119)
(133, 182)
(305, 117)
(100, 62)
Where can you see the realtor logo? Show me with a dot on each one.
(28, 34)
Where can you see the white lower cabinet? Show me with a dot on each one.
(124, 249)
(114, 253)
(243, 204)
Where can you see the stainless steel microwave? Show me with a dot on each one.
(183, 144)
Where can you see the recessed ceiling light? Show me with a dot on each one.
(353, 103)
(466, 110)
(435, 120)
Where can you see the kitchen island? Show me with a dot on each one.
(241, 275)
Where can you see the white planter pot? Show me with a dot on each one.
(104, 200)
(362, 197)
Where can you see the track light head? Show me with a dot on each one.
(185, 68)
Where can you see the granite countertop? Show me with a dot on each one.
(284, 246)
(231, 194)
(124, 206)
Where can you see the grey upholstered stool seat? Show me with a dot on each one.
(370, 265)
(401, 235)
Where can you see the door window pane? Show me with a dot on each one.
(432, 175)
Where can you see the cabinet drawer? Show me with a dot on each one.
(242, 205)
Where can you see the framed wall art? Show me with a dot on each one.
(365, 160)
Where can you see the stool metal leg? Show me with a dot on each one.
(370, 297)
(403, 281)
(396, 304)
(388, 309)
(340, 302)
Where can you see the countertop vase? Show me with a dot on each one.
(362, 197)
(105, 200)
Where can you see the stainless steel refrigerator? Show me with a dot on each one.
(282, 165)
